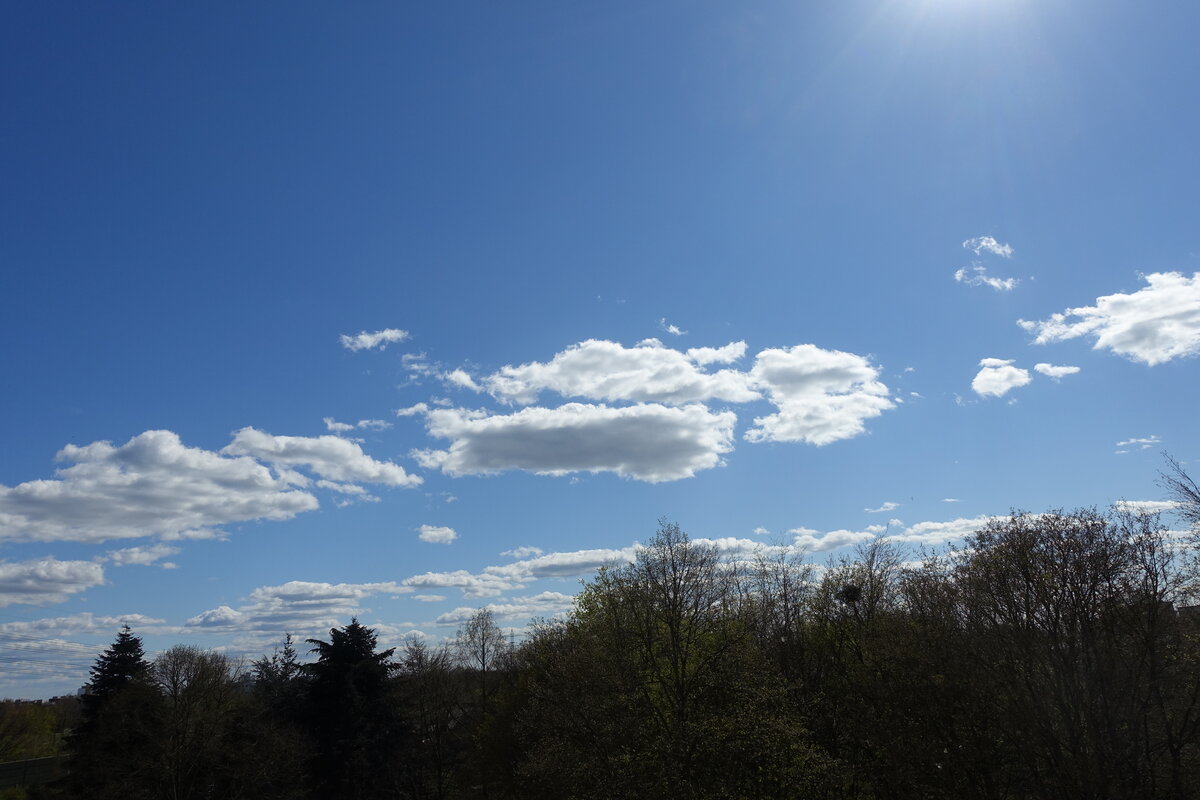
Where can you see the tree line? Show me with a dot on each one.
(1052, 655)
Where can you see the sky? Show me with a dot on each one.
(399, 311)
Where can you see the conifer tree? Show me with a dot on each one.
(116, 668)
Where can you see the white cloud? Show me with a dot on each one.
(674, 330)
(46, 580)
(951, 500)
(980, 243)
(369, 341)
(302, 607)
(151, 485)
(936, 533)
(1143, 443)
(496, 580)
(998, 377)
(471, 584)
(143, 556)
(523, 552)
(76, 624)
(976, 275)
(888, 506)
(330, 457)
(760, 531)
(516, 608)
(648, 442)
(1153, 325)
(1146, 506)
(461, 379)
(717, 355)
(334, 426)
(429, 598)
(1053, 371)
(811, 542)
(417, 364)
(604, 370)
(413, 410)
(437, 534)
(822, 395)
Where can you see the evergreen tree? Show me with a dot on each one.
(121, 724)
(353, 715)
(121, 664)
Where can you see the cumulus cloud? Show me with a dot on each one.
(1054, 371)
(470, 584)
(604, 370)
(977, 275)
(304, 607)
(997, 377)
(437, 534)
(496, 580)
(811, 541)
(717, 355)
(649, 442)
(142, 556)
(413, 410)
(461, 379)
(516, 608)
(369, 341)
(888, 506)
(937, 533)
(76, 624)
(46, 580)
(821, 395)
(979, 244)
(1153, 325)
(429, 598)
(151, 485)
(330, 457)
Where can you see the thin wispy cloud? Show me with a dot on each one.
(1138, 443)
(370, 341)
(674, 330)
(977, 275)
(987, 244)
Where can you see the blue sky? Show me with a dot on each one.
(790, 274)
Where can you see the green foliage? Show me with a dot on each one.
(1051, 656)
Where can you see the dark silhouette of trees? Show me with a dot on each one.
(120, 724)
(352, 716)
(1052, 656)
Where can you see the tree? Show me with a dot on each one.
(653, 688)
(201, 699)
(120, 724)
(353, 715)
(120, 665)
(480, 646)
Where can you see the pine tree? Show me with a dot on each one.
(353, 715)
(121, 724)
(118, 666)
